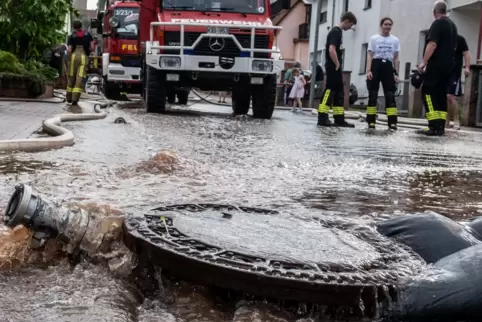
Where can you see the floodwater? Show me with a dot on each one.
(286, 163)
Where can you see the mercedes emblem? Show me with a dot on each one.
(216, 44)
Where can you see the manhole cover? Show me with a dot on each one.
(323, 261)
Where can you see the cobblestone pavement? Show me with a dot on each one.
(19, 120)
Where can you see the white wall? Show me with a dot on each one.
(409, 25)
(467, 21)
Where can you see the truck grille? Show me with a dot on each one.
(230, 48)
(130, 61)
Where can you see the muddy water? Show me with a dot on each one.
(286, 163)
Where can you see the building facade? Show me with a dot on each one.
(80, 4)
(292, 41)
(412, 19)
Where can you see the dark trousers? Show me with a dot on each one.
(287, 94)
(383, 72)
(333, 96)
(434, 95)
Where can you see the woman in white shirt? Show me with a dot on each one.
(382, 67)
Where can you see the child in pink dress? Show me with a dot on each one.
(298, 90)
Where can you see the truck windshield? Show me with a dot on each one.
(128, 22)
(235, 6)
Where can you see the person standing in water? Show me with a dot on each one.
(454, 89)
(298, 90)
(333, 96)
(382, 67)
(80, 44)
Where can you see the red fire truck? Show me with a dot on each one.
(223, 45)
(121, 64)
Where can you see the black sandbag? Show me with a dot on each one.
(449, 290)
(430, 235)
(476, 225)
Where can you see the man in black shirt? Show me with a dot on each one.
(334, 91)
(80, 44)
(437, 67)
(455, 85)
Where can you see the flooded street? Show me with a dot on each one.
(286, 163)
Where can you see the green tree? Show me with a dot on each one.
(28, 27)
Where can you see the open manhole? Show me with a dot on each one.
(325, 261)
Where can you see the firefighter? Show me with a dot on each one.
(382, 66)
(333, 96)
(80, 44)
(437, 67)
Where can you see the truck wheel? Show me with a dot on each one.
(240, 102)
(182, 96)
(155, 91)
(171, 96)
(110, 92)
(264, 97)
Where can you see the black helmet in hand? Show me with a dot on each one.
(417, 79)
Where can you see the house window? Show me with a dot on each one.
(308, 14)
(368, 4)
(324, 17)
(346, 4)
(363, 59)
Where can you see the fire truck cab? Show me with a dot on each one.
(121, 64)
(224, 45)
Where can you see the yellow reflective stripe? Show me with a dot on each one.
(72, 62)
(441, 115)
(428, 98)
(338, 110)
(325, 98)
(392, 111)
(69, 89)
(96, 62)
(323, 108)
(431, 116)
(82, 66)
(77, 90)
(371, 110)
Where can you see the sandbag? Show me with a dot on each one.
(430, 235)
(449, 290)
(476, 225)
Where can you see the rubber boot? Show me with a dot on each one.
(436, 128)
(340, 121)
(324, 120)
(392, 122)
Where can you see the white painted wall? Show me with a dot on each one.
(409, 25)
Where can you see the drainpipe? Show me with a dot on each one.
(314, 62)
(479, 44)
(333, 14)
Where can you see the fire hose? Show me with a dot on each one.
(61, 137)
(80, 232)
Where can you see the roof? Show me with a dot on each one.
(278, 14)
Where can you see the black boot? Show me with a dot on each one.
(340, 121)
(371, 125)
(323, 120)
(432, 131)
(74, 103)
(392, 122)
